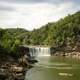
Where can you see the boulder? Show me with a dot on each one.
(3, 75)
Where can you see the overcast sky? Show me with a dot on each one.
(30, 14)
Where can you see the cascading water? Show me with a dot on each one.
(39, 51)
(44, 51)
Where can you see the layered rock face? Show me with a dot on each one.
(14, 68)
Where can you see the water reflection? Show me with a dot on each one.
(55, 68)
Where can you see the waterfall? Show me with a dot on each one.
(39, 51)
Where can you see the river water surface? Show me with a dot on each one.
(55, 68)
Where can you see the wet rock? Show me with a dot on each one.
(32, 61)
(3, 76)
(16, 69)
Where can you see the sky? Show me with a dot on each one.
(32, 14)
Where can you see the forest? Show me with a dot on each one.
(65, 31)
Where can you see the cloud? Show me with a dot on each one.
(42, 1)
(5, 8)
(32, 15)
(34, 1)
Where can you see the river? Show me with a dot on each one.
(55, 68)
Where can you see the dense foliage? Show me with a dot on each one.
(10, 39)
(61, 33)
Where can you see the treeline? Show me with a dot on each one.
(61, 33)
(10, 39)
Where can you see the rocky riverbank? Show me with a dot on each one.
(72, 54)
(9, 71)
(67, 51)
(13, 69)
